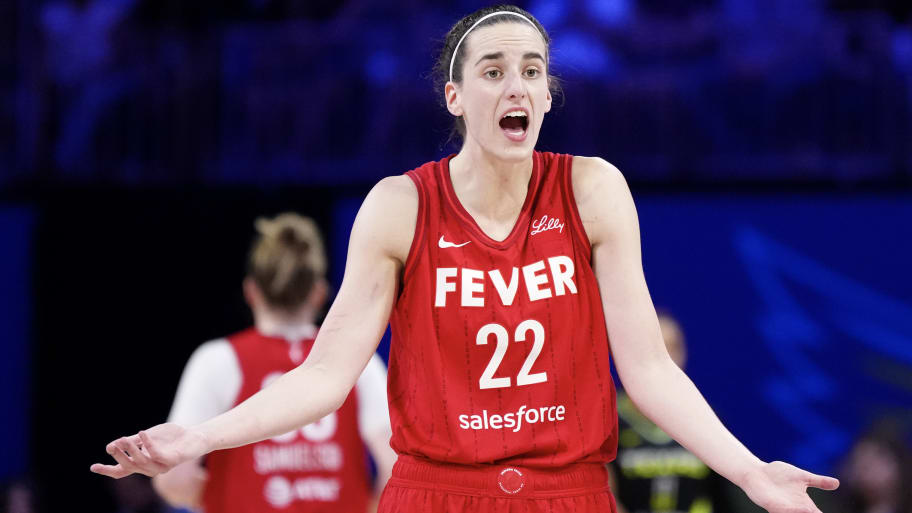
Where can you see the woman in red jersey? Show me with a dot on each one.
(320, 468)
(506, 275)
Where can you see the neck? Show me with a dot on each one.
(487, 185)
(292, 326)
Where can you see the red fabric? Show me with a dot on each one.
(319, 468)
(428, 487)
(437, 362)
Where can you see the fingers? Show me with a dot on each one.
(151, 448)
(141, 459)
(115, 471)
(129, 447)
(118, 451)
(822, 482)
(130, 459)
(133, 454)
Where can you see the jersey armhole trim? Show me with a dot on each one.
(579, 229)
(418, 236)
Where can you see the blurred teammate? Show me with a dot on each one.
(319, 468)
(505, 274)
(653, 473)
(878, 474)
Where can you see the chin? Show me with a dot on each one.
(515, 152)
(518, 153)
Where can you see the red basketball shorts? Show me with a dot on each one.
(421, 486)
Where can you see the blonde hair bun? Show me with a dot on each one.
(287, 258)
(295, 230)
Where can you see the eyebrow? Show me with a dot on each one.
(499, 55)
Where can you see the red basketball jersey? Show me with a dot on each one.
(318, 468)
(500, 352)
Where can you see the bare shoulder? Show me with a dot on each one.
(396, 188)
(602, 198)
(387, 217)
(593, 175)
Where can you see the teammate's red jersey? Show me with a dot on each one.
(500, 351)
(318, 468)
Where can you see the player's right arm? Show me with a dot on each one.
(379, 244)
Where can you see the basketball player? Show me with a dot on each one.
(319, 468)
(505, 274)
(652, 472)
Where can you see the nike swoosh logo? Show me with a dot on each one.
(444, 244)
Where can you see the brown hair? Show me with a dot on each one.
(441, 71)
(286, 259)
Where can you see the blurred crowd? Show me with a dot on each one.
(279, 91)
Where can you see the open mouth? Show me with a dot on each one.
(514, 124)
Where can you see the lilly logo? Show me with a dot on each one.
(545, 223)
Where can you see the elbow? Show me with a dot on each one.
(337, 399)
(649, 375)
(327, 386)
(341, 385)
(335, 393)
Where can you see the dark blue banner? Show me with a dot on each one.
(797, 311)
(15, 305)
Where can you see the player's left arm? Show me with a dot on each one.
(658, 387)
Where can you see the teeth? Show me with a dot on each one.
(515, 114)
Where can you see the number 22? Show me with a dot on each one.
(487, 379)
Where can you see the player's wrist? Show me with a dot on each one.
(750, 474)
(202, 440)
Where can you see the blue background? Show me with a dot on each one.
(15, 315)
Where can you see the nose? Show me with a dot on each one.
(516, 86)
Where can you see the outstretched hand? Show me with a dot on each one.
(782, 488)
(152, 452)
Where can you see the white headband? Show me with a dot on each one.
(461, 39)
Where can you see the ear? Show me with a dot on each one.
(252, 294)
(451, 93)
(548, 98)
(318, 295)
